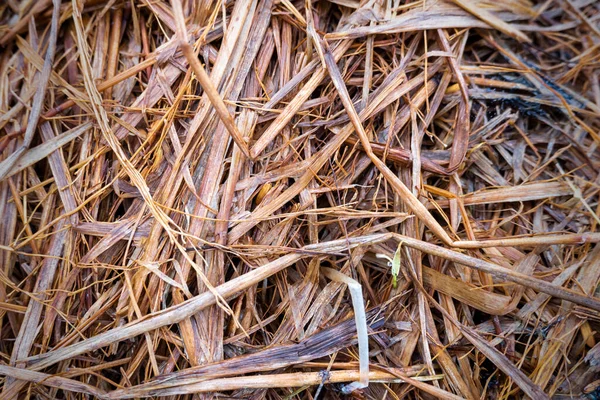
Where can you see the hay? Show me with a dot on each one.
(186, 187)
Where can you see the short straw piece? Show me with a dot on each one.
(361, 326)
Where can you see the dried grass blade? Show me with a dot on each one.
(42, 151)
(39, 96)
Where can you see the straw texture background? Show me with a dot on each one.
(299, 199)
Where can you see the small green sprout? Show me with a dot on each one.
(394, 264)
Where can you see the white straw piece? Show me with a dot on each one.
(360, 318)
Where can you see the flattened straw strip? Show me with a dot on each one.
(70, 385)
(297, 379)
(361, 326)
(206, 82)
(541, 240)
(42, 151)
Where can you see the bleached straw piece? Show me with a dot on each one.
(361, 326)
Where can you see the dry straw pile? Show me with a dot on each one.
(291, 199)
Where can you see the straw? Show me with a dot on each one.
(188, 188)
